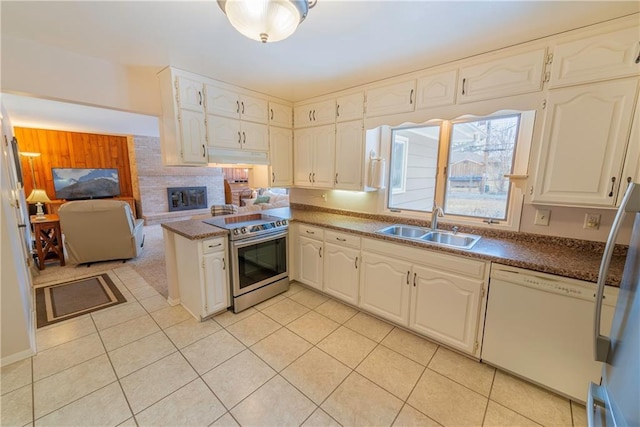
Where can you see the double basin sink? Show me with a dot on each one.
(437, 237)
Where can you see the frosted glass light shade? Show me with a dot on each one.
(265, 20)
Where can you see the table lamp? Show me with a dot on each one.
(38, 196)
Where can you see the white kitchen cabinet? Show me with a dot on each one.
(350, 107)
(314, 152)
(182, 124)
(349, 156)
(512, 75)
(446, 306)
(227, 103)
(586, 126)
(631, 168)
(605, 56)
(281, 157)
(391, 99)
(280, 115)
(224, 132)
(310, 258)
(436, 90)
(385, 287)
(315, 114)
(203, 275)
(341, 266)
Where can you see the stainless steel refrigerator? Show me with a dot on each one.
(616, 401)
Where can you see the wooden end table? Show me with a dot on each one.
(48, 239)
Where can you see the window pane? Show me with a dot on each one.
(480, 154)
(413, 166)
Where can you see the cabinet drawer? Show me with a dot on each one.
(342, 239)
(310, 232)
(213, 245)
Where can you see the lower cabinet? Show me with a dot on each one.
(309, 256)
(203, 275)
(342, 266)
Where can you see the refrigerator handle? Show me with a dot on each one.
(630, 202)
(595, 398)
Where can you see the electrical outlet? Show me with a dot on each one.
(324, 197)
(542, 217)
(591, 221)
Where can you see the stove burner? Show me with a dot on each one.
(250, 225)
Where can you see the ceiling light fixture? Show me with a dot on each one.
(266, 20)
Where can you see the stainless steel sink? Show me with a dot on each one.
(406, 231)
(437, 237)
(457, 240)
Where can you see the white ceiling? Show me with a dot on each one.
(341, 43)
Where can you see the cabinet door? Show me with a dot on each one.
(437, 90)
(190, 95)
(341, 272)
(584, 142)
(216, 282)
(281, 156)
(446, 307)
(255, 136)
(349, 155)
(303, 155)
(631, 169)
(324, 112)
(222, 102)
(302, 116)
(310, 262)
(223, 132)
(604, 56)
(193, 135)
(324, 156)
(254, 109)
(385, 288)
(514, 75)
(280, 115)
(350, 107)
(392, 99)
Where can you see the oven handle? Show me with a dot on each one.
(260, 239)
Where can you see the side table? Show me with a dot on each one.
(48, 239)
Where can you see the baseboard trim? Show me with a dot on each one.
(172, 301)
(16, 357)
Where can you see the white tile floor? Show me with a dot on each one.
(297, 359)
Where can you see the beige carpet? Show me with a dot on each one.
(150, 265)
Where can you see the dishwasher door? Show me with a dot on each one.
(540, 327)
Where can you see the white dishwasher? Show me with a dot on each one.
(540, 327)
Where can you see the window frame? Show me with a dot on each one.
(404, 141)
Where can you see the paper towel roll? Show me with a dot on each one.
(376, 173)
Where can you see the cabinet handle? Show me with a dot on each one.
(244, 138)
(356, 263)
(320, 251)
(310, 232)
(239, 138)
(338, 110)
(309, 176)
(415, 275)
(314, 115)
(242, 107)
(204, 151)
(411, 97)
(638, 58)
(272, 114)
(408, 274)
(273, 177)
(464, 84)
(215, 246)
(336, 180)
(339, 239)
(310, 119)
(237, 107)
(313, 177)
(224, 264)
(200, 97)
(613, 184)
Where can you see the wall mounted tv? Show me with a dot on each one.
(80, 184)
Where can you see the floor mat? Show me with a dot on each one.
(62, 301)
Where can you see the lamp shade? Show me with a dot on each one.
(38, 195)
(265, 20)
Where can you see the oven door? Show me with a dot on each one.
(259, 261)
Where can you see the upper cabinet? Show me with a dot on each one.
(604, 56)
(391, 99)
(512, 75)
(281, 156)
(182, 125)
(350, 107)
(584, 141)
(436, 90)
(316, 114)
(349, 156)
(226, 103)
(280, 115)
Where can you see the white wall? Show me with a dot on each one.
(50, 72)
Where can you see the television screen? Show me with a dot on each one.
(77, 183)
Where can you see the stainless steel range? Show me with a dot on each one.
(258, 245)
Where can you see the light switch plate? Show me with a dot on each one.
(591, 221)
(542, 217)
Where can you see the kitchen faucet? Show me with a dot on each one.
(435, 213)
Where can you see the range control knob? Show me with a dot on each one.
(243, 230)
(278, 223)
(284, 222)
(235, 231)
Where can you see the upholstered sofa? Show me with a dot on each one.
(100, 230)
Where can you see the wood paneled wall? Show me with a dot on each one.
(61, 149)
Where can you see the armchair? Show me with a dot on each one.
(100, 230)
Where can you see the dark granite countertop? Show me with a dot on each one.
(564, 257)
